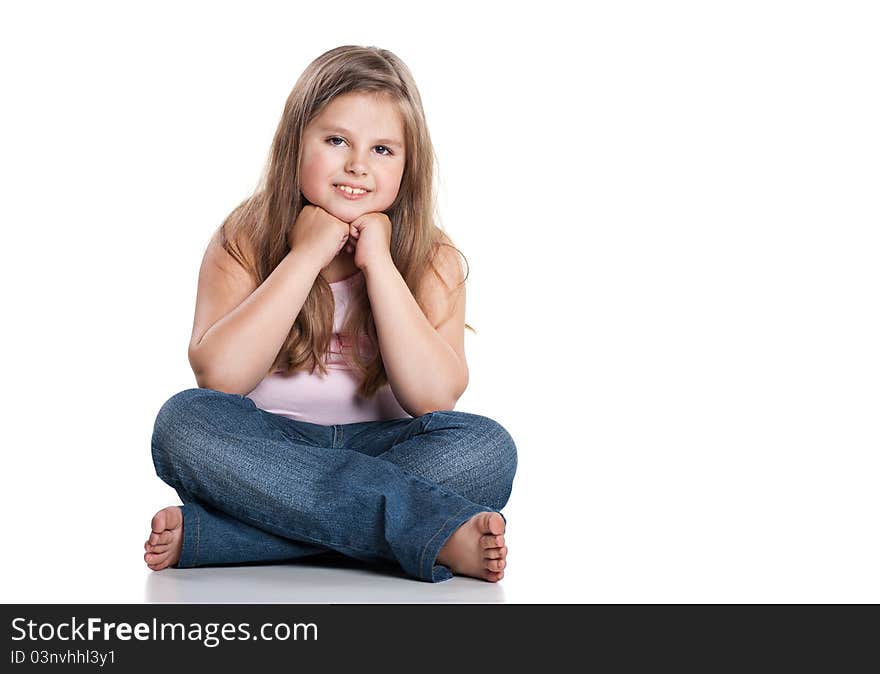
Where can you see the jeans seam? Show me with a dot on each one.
(278, 424)
(431, 416)
(436, 533)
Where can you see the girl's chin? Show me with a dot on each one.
(335, 209)
(347, 212)
(348, 215)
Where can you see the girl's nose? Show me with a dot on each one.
(356, 164)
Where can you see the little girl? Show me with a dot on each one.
(335, 264)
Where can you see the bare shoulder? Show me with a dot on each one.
(219, 254)
(449, 265)
(223, 284)
(442, 287)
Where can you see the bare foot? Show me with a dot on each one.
(477, 548)
(163, 545)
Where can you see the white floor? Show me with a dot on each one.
(310, 582)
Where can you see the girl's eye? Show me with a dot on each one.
(387, 151)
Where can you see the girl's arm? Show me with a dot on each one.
(239, 328)
(424, 371)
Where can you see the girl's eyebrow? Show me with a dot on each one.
(382, 141)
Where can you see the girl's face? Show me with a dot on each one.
(357, 140)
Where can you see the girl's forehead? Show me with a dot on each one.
(376, 112)
(363, 98)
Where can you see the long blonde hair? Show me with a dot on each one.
(264, 219)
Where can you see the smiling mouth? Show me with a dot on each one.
(354, 191)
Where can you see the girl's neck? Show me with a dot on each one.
(340, 268)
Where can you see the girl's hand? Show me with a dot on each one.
(370, 238)
(319, 233)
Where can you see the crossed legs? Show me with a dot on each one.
(259, 487)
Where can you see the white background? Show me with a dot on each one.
(670, 212)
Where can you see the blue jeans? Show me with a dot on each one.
(260, 487)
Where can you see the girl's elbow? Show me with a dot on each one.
(441, 406)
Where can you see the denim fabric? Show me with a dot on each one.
(259, 487)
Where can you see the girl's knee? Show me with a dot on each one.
(499, 461)
(184, 400)
(184, 408)
(181, 416)
(505, 457)
(487, 454)
(487, 433)
(174, 414)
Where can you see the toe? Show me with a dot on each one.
(496, 553)
(490, 523)
(492, 541)
(495, 564)
(161, 538)
(494, 576)
(156, 561)
(157, 524)
(167, 518)
(496, 523)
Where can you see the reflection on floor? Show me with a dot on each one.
(324, 579)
